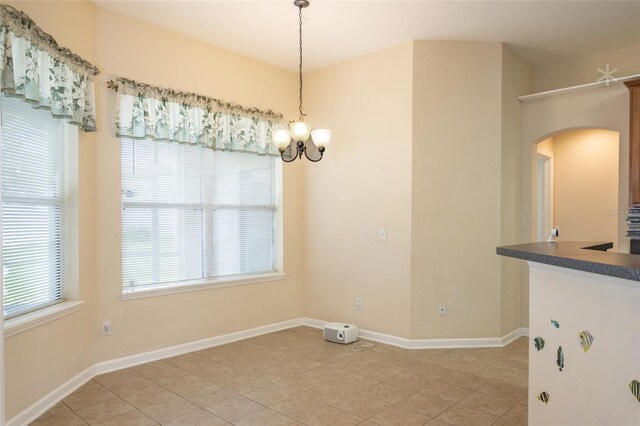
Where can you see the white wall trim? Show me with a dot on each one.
(38, 408)
(141, 358)
(515, 334)
(579, 88)
(41, 316)
(175, 288)
(483, 342)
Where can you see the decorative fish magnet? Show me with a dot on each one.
(560, 358)
(544, 397)
(555, 323)
(634, 385)
(586, 339)
(538, 342)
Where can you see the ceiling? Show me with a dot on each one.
(541, 32)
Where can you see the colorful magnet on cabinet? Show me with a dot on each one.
(634, 385)
(555, 323)
(560, 358)
(538, 342)
(586, 340)
(544, 397)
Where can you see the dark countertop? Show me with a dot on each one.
(582, 256)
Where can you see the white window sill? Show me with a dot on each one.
(174, 288)
(42, 316)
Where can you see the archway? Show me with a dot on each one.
(576, 185)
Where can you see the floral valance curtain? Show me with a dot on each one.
(34, 67)
(148, 112)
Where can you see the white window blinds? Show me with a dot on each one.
(190, 213)
(33, 206)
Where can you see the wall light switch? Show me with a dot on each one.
(382, 234)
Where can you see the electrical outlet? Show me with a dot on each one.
(382, 234)
(106, 328)
(359, 303)
(442, 309)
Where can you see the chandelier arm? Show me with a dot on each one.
(294, 158)
(311, 159)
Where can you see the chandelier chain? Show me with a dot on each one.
(302, 114)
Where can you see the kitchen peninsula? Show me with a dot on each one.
(584, 328)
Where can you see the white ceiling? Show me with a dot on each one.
(541, 32)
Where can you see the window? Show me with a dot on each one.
(193, 215)
(33, 206)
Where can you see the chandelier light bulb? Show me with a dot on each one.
(300, 131)
(321, 137)
(281, 138)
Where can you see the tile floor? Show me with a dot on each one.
(294, 377)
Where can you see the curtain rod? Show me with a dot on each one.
(159, 92)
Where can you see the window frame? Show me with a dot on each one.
(176, 287)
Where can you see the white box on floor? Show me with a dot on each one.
(340, 332)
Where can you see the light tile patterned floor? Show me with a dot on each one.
(294, 377)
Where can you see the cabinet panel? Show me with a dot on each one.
(634, 142)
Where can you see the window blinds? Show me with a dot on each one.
(190, 213)
(33, 196)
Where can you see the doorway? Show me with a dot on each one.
(545, 194)
(577, 185)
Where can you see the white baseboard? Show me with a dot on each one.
(133, 360)
(38, 408)
(486, 342)
(515, 334)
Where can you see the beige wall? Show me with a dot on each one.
(586, 185)
(456, 189)
(363, 184)
(466, 188)
(585, 69)
(517, 79)
(123, 47)
(438, 191)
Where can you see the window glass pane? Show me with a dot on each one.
(257, 241)
(33, 195)
(31, 256)
(33, 151)
(242, 179)
(243, 241)
(191, 213)
(161, 172)
(161, 245)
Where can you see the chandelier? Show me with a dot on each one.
(299, 131)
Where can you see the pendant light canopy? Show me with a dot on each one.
(300, 131)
